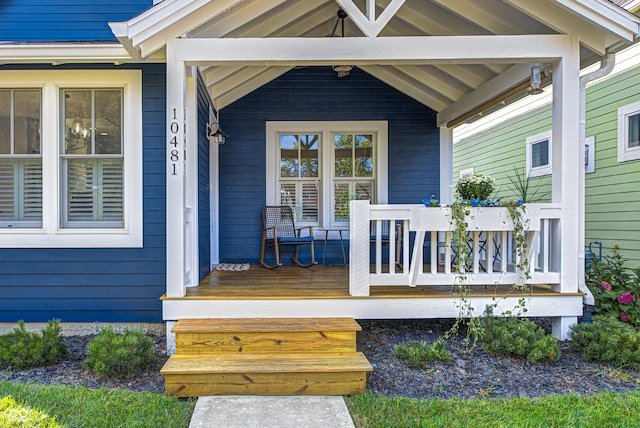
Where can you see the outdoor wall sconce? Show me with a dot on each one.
(536, 80)
(216, 135)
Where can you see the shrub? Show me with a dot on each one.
(420, 353)
(615, 288)
(24, 349)
(113, 354)
(475, 186)
(607, 340)
(516, 336)
(14, 415)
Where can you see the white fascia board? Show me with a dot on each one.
(607, 15)
(150, 30)
(372, 51)
(510, 78)
(57, 53)
(564, 21)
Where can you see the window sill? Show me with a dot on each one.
(73, 238)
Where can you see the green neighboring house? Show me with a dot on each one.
(521, 140)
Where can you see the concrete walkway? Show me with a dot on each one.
(271, 412)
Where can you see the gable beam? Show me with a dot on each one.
(373, 51)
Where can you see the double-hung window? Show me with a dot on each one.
(20, 158)
(70, 158)
(629, 132)
(318, 167)
(92, 158)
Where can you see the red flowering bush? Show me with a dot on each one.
(615, 288)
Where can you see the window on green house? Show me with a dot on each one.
(539, 154)
(629, 132)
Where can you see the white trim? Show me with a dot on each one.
(626, 153)
(540, 170)
(325, 129)
(51, 235)
(61, 53)
(214, 197)
(192, 264)
(362, 307)
(590, 154)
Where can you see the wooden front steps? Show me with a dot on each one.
(265, 356)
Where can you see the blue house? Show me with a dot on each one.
(119, 193)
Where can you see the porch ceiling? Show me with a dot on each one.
(603, 27)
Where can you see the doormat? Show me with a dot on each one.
(233, 267)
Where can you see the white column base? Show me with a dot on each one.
(560, 326)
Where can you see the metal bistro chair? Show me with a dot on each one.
(279, 229)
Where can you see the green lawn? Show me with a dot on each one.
(43, 405)
(600, 410)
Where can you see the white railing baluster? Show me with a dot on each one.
(489, 252)
(434, 252)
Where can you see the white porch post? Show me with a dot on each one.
(175, 152)
(566, 166)
(359, 247)
(446, 165)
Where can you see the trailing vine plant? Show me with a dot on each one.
(471, 191)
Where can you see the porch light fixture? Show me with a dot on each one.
(342, 70)
(536, 80)
(216, 135)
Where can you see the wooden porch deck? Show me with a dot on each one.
(321, 282)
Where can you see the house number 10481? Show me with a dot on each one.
(174, 154)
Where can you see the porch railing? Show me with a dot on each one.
(410, 245)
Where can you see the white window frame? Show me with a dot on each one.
(590, 154)
(626, 153)
(540, 170)
(326, 130)
(51, 234)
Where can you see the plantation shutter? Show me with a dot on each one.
(302, 197)
(21, 192)
(95, 190)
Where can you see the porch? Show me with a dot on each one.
(418, 282)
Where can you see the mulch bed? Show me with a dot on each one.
(474, 373)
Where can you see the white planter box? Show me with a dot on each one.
(479, 219)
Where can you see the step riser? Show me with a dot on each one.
(265, 343)
(343, 383)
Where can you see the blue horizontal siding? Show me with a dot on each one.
(316, 94)
(100, 284)
(64, 20)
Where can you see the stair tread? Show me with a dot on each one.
(220, 325)
(294, 363)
